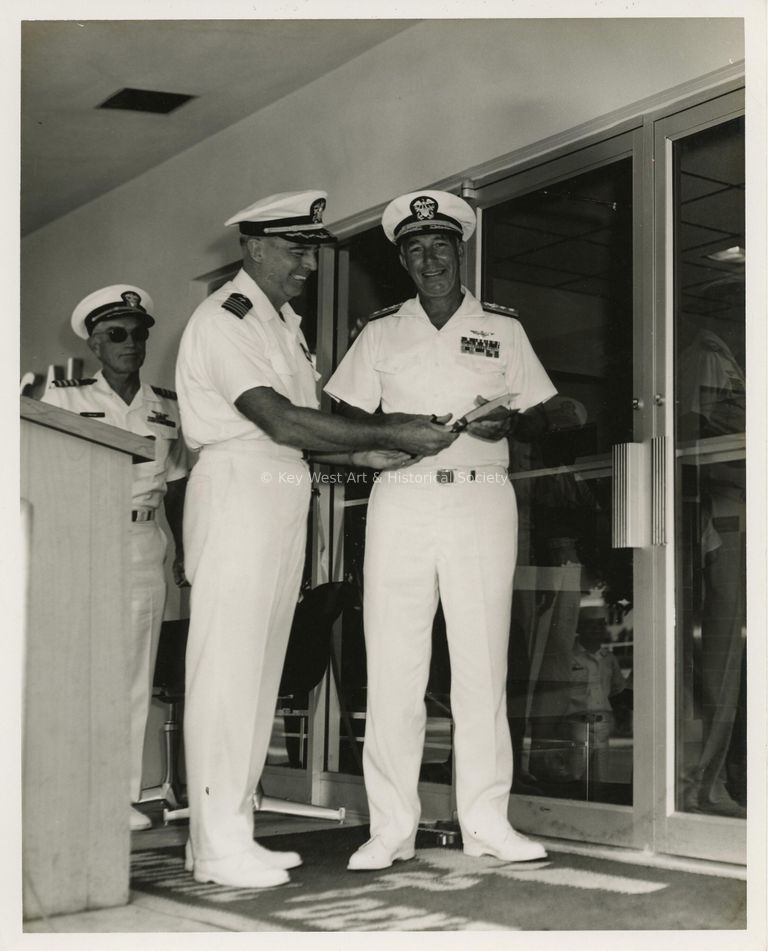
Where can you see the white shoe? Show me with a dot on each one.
(514, 847)
(138, 821)
(274, 859)
(239, 871)
(284, 860)
(375, 855)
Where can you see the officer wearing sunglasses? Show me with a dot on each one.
(115, 322)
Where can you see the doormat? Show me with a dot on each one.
(444, 890)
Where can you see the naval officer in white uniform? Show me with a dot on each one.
(115, 322)
(445, 527)
(248, 397)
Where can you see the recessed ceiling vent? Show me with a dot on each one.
(146, 100)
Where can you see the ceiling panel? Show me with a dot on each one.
(572, 257)
(72, 152)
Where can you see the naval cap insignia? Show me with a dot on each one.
(424, 207)
(317, 209)
(131, 298)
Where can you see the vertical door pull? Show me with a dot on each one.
(631, 496)
(659, 490)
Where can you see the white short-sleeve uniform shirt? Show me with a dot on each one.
(153, 412)
(236, 341)
(405, 364)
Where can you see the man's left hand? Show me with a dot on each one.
(496, 425)
(178, 572)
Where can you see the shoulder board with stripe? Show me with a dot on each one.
(168, 394)
(499, 309)
(237, 304)
(86, 382)
(385, 311)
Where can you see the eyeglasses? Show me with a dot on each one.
(120, 334)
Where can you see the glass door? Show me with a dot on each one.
(701, 194)
(368, 277)
(624, 260)
(558, 246)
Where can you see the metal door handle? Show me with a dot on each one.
(631, 493)
(659, 490)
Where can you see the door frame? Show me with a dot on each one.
(679, 833)
(606, 823)
(650, 823)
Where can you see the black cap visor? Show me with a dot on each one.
(113, 312)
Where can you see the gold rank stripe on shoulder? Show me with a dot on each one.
(385, 311)
(499, 309)
(168, 394)
(72, 382)
(237, 304)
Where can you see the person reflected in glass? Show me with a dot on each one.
(712, 404)
(596, 681)
(558, 513)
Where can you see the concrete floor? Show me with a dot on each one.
(146, 913)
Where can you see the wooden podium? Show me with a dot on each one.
(76, 502)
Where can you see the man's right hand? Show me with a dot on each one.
(420, 435)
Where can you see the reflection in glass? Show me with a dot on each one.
(306, 660)
(710, 470)
(562, 257)
(377, 280)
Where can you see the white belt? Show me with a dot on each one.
(446, 475)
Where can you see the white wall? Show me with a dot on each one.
(433, 101)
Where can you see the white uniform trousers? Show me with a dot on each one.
(148, 590)
(457, 541)
(245, 523)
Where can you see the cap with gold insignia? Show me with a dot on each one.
(295, 216)
(117, 300)
(428, 211)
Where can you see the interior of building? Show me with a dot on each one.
(607, 160)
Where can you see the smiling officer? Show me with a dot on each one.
(115, 322)
(445, 527)
(248, 396)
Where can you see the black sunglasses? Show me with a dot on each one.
(119, 334)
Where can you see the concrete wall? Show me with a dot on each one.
(432, 102)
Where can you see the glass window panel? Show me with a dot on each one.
(302, 671)
(710, 526)
(377, 280)
(562, 257)
(570, 703)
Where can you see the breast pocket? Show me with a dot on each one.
(164, 439)
(579, 674)
(166, 428)
(402, 380)
(280, 365)
(479, 374)
(283, 375)
(398, 362)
